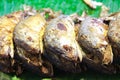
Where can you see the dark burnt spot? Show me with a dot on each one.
(30, 39)
(106, 22)
(67, 48)
(83, 36)
(61, 26)
(26, 47)
(9, 31)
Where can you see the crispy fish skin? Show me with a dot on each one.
(114, 36)
(61, 47)
(7, 24)
(93, 38)
(28, 36)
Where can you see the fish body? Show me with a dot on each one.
(114, 35)
(61, 46)
(7, 25)
(28, 38)
(94, 40)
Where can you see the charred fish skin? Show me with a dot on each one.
(60, 45)
(28, 36)
(93, 38)
(114, 35)
(100, 68)
(7, 24)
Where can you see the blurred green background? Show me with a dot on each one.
(67, 7)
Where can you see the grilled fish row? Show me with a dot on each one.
(29, 41)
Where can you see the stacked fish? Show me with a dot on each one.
(29, 41)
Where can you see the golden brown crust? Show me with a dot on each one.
(61, 45)
(7, 24)
(93, 37)
(28, 37)
(114, 35)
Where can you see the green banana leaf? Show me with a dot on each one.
(67, 7)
